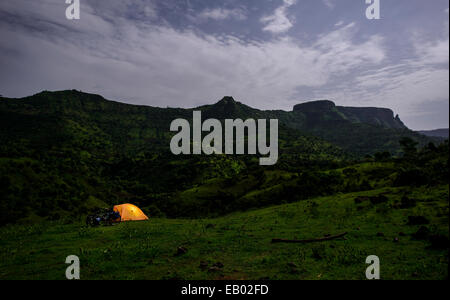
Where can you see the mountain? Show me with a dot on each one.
(65, 153)
(442, 133)
(358, 130)
(311, 113)
(90, 122)
(69, 151)
(47, 116)
(326, 110)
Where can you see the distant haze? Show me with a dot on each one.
(443, 132)
(269, 54)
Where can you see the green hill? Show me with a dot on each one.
(66, 154)
(358, 130)
(63, 153)
(92, 122)
(238, 246)
(59, 149)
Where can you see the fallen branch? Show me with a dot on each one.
(323, 239)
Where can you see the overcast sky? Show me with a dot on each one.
(269, 54)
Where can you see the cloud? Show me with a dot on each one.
(158, 65)
(329, 3)
(119, 52)
(222, 14)
(150, 11)
(435, 52)
(406, 86)
(279, 22)
(411, 85)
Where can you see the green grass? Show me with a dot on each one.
(242, 243)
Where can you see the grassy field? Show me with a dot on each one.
(238, 246)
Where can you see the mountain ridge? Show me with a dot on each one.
(371, 115)
(228, 104)
(361, 131)
(73, 150)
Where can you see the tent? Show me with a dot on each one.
(130, 212)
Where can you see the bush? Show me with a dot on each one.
(382, 156)
(415, 177)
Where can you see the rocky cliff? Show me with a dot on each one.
(326, 110)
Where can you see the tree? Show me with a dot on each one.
(431, 146)
(408, 146)
(382, 156)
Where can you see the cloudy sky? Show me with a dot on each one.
(270, 54)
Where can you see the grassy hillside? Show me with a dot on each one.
(238, 246)
(66, 154)
(63, 154)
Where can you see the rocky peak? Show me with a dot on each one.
(227, 100)
(315, 106)
(327, 110)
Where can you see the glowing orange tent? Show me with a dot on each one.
(130, 212)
